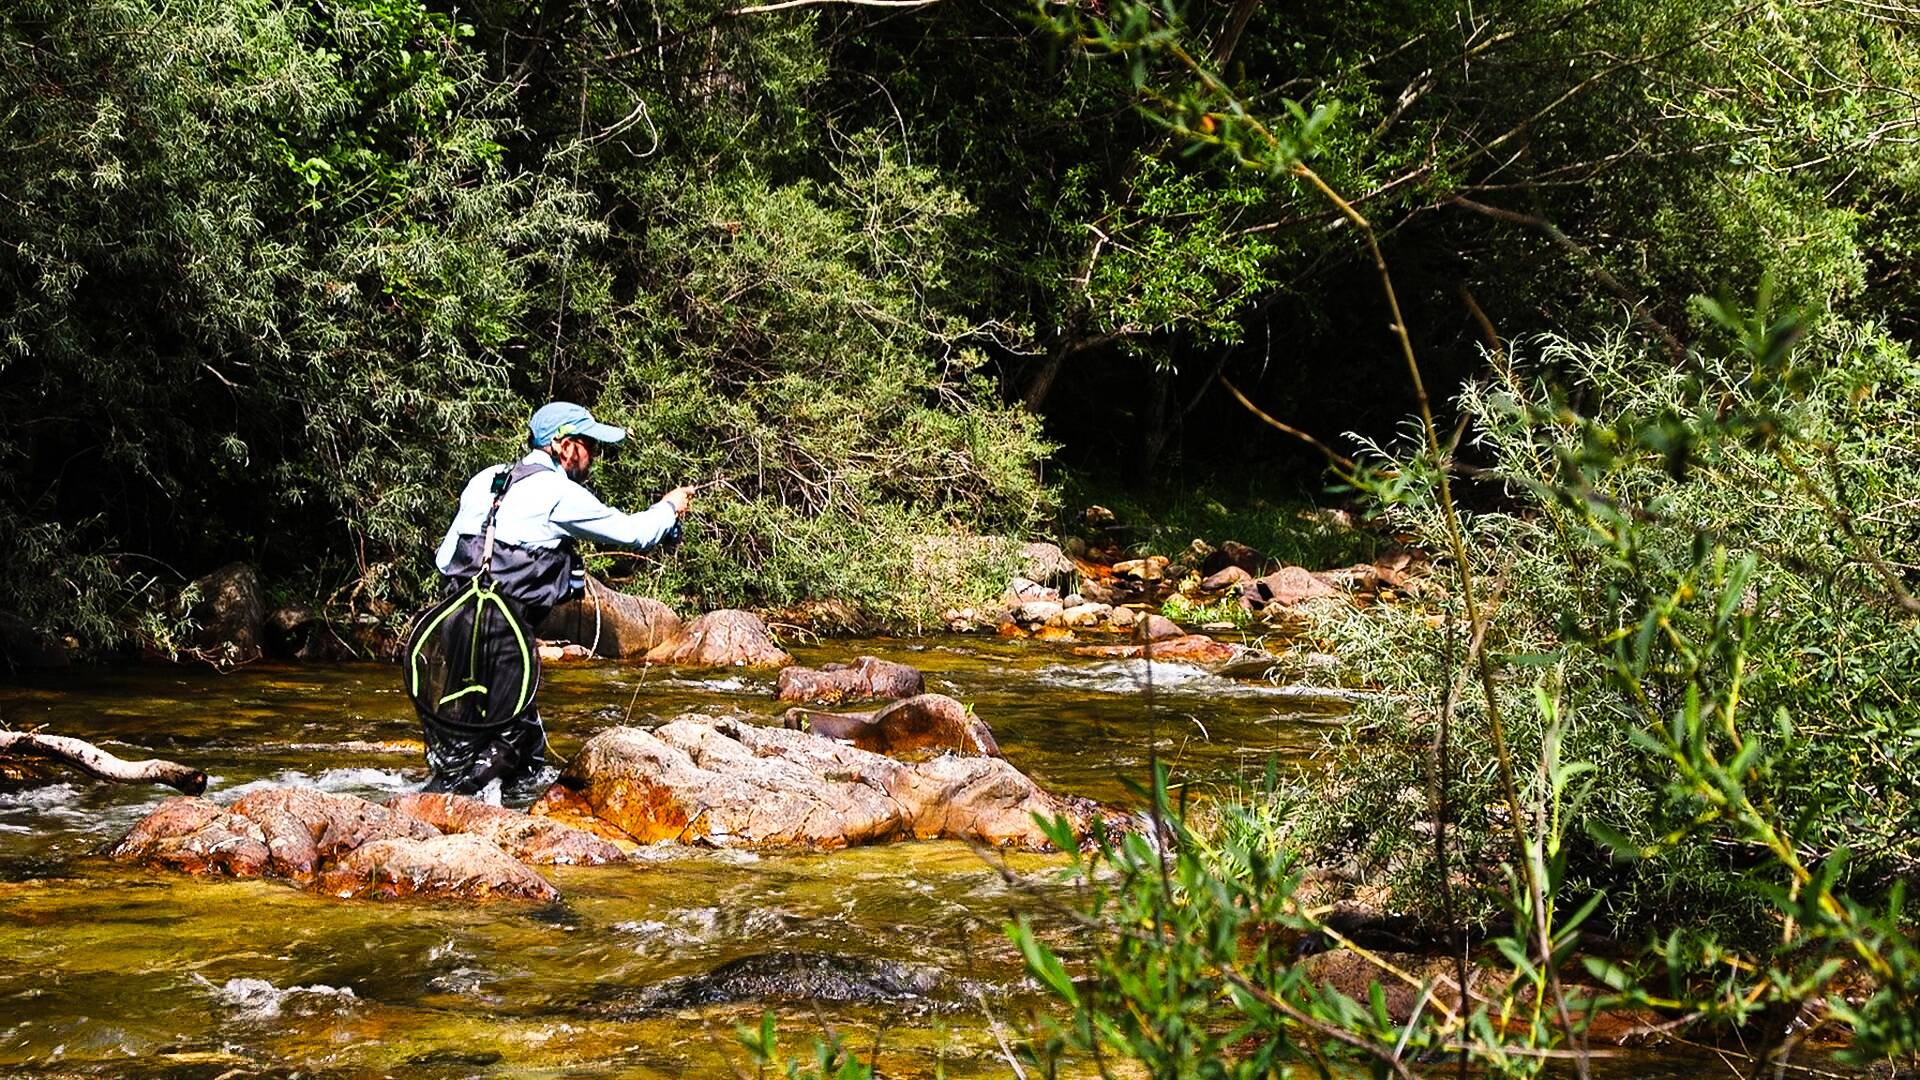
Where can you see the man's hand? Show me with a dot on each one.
(680, 498)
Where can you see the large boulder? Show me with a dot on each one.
(1159, 628)
(346, 846)
(1229, 577)
(782, 976)
(306, 827)
(1286, 587)
(725, 638)
(196, 836)
(928, 722)
(297, 632)
(1044, 562)
(868, 678)
(722, 782)
(462, 866)
(538, 840)
(1233, 553)
(228, 614)
(612, 624)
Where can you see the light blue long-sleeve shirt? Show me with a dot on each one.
(545, 508)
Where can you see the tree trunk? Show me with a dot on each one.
(1156, 423)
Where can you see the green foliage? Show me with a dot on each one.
(1281, 524)
(247, 245)
(1685, 531)
(1226, 609)
(831, 1059)
(1192, 966)
(280, 277)
(1700, 574)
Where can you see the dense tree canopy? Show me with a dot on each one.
(278, 273)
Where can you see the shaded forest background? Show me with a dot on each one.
(275, 276)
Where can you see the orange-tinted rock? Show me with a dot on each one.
(568, 807)
(866, 679)
(542, 841)
(724, 638)
(334, 823)
(928, 722)
(460, 867)
(198, 837)
(1191, 648)
(290, 842)
(726, 783)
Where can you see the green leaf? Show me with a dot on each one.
(1043, 964)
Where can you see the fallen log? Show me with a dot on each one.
(101, 765)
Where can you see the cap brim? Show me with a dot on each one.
(603, 433)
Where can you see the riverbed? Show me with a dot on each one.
(107, 969)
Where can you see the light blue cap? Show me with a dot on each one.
(558, 419)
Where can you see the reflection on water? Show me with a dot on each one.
(119, 971)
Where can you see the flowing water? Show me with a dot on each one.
(108, 969)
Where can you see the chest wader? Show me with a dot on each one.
(472, 668)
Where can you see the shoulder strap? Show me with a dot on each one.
(502, 480)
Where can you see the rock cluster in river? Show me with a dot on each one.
(723, 782)
(345, 846)
(921, 767)
(1095, 587)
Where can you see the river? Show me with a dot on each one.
(107, 969)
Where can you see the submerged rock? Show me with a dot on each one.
(866, 679)
(725, 638)
(926, 722)
(460, 866)
(784, 976)
(722, 782)
(1190, 648)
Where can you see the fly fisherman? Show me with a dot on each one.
(509, 558)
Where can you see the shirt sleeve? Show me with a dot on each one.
(463, 522)
(579, 514)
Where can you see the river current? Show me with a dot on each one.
(107, 969)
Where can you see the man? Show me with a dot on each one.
(509, 558)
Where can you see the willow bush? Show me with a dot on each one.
(279, 276)
(1663, 693)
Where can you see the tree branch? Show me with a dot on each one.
(101, 765)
